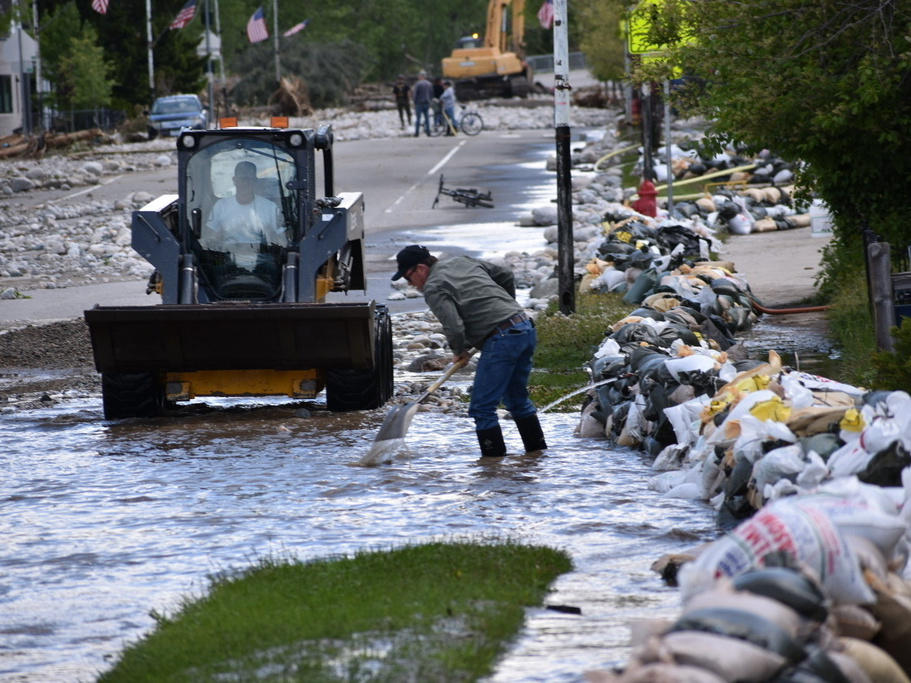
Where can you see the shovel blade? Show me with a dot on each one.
(391, 435)
(396, 423)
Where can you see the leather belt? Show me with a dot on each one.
(509, 322)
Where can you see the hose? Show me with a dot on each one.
(614, 153)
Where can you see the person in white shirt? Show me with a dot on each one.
(241, 223)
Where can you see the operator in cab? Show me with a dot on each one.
(241, 223)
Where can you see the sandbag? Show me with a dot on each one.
(743, 625)
(787, 531)
(730, 658)
(874, 662)
(769, 609)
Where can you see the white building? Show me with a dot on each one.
(10, 70)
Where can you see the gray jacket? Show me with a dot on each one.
(470, 297)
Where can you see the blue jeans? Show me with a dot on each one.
(419, 111)
(502, 374)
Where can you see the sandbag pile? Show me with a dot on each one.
(755, 209)
(809, 589)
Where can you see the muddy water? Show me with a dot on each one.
(102, 522)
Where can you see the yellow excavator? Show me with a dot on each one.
(494, 66)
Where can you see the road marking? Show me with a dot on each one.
(90, 189)
(431, 172)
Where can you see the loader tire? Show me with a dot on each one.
(131, 394)
(348, 389)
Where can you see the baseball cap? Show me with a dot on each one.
(409, 257)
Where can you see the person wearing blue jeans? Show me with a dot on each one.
(423, 93)
(474, 300)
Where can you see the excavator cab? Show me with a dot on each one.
(245, 254)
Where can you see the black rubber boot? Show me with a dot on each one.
(530, 431)
(491, 441)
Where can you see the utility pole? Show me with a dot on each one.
(150, 44)
(41, 123)
(24, 102)
(278, 69)
(566, 286)
(221, 47)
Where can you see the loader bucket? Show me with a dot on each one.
(182, 338)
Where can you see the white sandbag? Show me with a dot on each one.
(686, 417)
(887, 422)
(686, 491)
(741, 224)
(730, 658)
(787, 527)
(849, 459)
(815, 472)
(609, 347)
(816, 382)
(797, 394)
(858, 516)
(665, 481)
(780, 463)
(771, 610)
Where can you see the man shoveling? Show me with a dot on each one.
(474, 300)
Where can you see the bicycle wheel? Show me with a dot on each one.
(471, 123)
(437, 129)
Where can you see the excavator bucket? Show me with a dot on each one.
(180, 338)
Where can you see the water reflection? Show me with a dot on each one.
(104, 522)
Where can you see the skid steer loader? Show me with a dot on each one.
(244, 256)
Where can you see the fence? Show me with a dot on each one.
(82, 119)
(545, 63)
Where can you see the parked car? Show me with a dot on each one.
(172, 113)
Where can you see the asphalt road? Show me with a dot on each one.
(399, 178)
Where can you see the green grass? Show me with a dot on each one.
(438, 611)
(567, 343)
(851, 325)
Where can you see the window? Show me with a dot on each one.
(6, 94)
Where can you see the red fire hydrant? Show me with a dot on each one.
(647, 204)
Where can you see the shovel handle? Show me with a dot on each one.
(447, 373)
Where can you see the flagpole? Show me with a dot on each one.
(150, 44)
(278, 70)
(209, 69)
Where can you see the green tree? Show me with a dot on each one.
(86, 73)
(824, 81)
(600, 38)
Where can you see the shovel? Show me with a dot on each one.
(395, 425)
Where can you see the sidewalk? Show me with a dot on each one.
(780, 266)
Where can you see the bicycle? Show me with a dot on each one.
(470, 123)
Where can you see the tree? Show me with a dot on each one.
(85, 73)
(600, 39)
(826, 82)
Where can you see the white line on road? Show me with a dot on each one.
(431, 172)
(90, 189)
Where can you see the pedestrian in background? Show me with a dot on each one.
(448, 102)
(475, 302)
(438, 89)
(402, 93)
(423, 93)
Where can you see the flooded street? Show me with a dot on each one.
(104, 522)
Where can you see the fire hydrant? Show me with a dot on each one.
(647, 204)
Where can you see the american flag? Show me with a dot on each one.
(297, 27)
(546, 14)
(100, 6)
(185, 15)
(256, 27)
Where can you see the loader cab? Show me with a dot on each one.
(241, 215)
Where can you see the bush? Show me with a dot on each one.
(330, 71)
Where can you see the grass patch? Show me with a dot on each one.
(851, 325)
(567, 342)
(438, 611)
